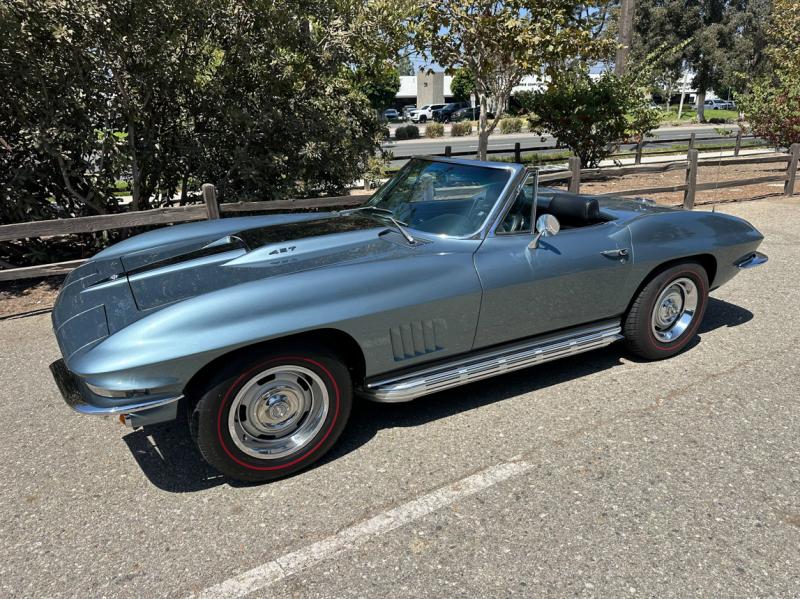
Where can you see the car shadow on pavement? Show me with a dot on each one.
(171, 461)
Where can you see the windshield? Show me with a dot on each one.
(441, 197)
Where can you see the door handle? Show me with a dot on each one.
(618, 253)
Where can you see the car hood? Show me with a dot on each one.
(165, 274)
(140, 275)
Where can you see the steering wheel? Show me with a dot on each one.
(512, 223)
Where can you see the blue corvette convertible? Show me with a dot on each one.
(261, 329)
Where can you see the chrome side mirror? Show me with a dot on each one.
(547, 225)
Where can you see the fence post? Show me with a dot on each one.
(575, 179)
(738, 145)
(691, 143)
(210, 199)
(691, 180)
(517, 153)
(448, 151)
(639, 148)
(791, 171)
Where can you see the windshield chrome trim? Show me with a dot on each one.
(515, 172)
(527, 172)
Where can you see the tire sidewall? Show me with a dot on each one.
(212, 413)
(690, 270)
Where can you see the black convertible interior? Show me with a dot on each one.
(571, 210)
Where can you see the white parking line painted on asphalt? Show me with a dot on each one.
(353, 536)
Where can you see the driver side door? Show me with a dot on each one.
(571, 278)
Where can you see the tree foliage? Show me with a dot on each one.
(589, 115)
(784, 37)
(772, 104)
(462, 85)
(257, 96)
(501, 42)
(379, 83)
(720, 41)
(405, 68)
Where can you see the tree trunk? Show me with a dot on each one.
(701, 108)
(626, 11)
(184, 183)
(483, 129)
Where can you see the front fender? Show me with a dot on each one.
(365, 300)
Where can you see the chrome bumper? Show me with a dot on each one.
(68, 386)
(752, 260)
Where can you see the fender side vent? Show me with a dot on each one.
(418, 338)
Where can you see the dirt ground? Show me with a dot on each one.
(708, 173)
(30, 296)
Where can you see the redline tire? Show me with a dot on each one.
(638, 326)
(214, 426)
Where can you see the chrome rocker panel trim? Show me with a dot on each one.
(753, 260)
(481, 366)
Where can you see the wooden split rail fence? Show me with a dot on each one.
(212, 209)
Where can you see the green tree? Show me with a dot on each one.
(772, 104)
(463, 85)
(501, 42)
(784, 37)
(589, 115)
(405, 67)
(719, 41)
(257, 96)
(379, 83)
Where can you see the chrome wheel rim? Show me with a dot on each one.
(278, 412)
(674, 310)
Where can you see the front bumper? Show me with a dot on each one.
(137, 411)
(752, 260)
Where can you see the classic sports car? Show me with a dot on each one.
(260, 329)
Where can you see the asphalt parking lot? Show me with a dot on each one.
(595, 476)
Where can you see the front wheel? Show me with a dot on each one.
(667, 312)
(274, 415)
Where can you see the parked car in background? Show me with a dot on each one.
(445, 114)
(260, 329)
(407, 111)
(425, 113)
(469, 114)
(390, 114)
(717, 104)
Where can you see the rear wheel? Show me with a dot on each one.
(667, 312)
(274, 414)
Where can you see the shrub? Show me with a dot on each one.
(588, 116)
(461, 129)
(511, 125)
(120, 185)
(772, 108)
(407, 132)
(434, 130)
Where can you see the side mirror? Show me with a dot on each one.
(547, 225)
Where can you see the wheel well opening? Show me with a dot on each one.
(338, 342)
(707, 261)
